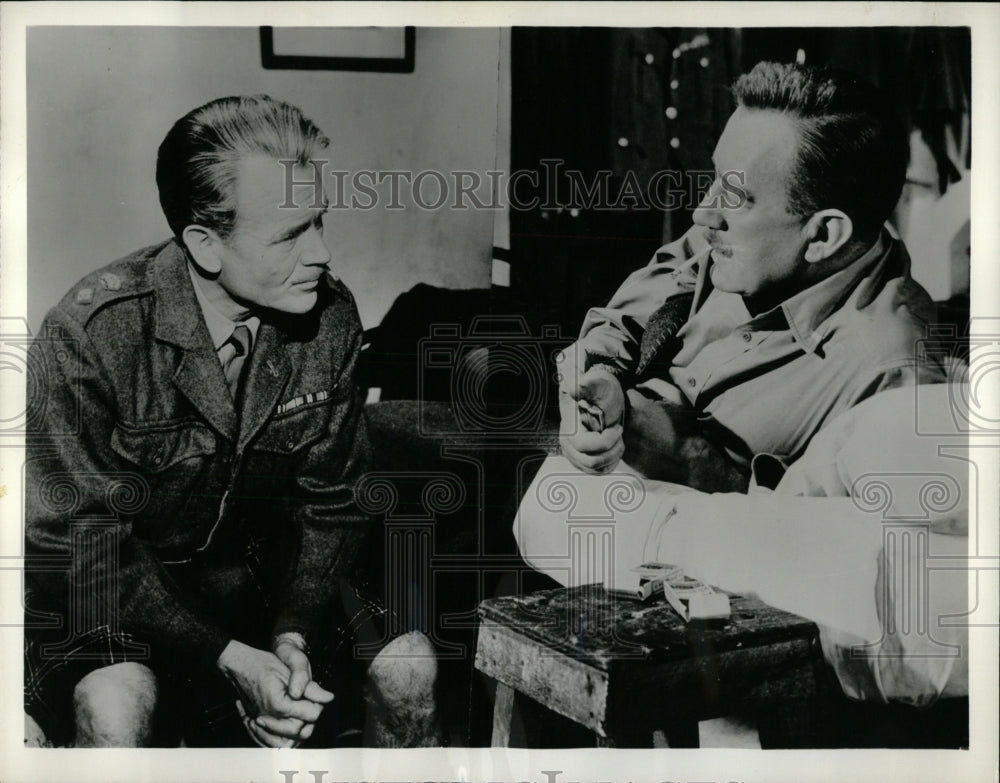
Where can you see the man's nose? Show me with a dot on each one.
(708, 212)
(315, 252)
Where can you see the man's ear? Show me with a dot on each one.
(827, 231)
(204, 245)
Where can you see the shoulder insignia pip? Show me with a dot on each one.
(111, 282)
(85, 296)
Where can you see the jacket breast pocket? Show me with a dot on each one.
(178, 459)
(292, 433)
(158, 448)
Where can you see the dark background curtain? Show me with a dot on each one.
(643, 100)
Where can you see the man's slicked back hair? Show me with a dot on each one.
(852, 152)
(197, 163)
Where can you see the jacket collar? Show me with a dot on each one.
(178, 316)
(179, 321)
(199, 376)
(266, 375)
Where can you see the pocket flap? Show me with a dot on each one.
(156, 449)
(292, 432)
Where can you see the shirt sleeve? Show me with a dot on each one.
(866, 534)
(886, 635)
(74, 478)
(575, 526)
(884, 587)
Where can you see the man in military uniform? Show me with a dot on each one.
(786, 304)
(191, 518)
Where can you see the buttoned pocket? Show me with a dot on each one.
(158, 448)
(292, 432)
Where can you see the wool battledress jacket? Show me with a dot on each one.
(156, 506)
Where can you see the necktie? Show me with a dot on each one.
(659, 342)
(235, 351)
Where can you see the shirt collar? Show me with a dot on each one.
(806, 311)
(220, 327)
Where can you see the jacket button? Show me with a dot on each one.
(692, 382)
(290, 445)
(746, 337)
(157, 459)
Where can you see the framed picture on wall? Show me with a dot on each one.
(377, 49)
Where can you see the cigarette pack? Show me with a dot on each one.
(692, 599)
(643, 582)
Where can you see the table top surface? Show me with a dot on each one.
(600, 629)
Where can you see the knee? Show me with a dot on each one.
(401, 703)
(34, 737)
(113, 706)
(405, 668)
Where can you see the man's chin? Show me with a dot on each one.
(299, 304)
(719, 272)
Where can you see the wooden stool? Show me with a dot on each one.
(625, 669)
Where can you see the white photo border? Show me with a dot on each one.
(20, 764)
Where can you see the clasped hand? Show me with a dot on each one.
(279, 701)
(592, 411)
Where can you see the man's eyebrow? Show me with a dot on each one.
(299, 228)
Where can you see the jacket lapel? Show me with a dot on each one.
(179, 321)
(265, 379)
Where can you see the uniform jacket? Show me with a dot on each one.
(212, 521)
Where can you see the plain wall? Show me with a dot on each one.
(101, 99)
